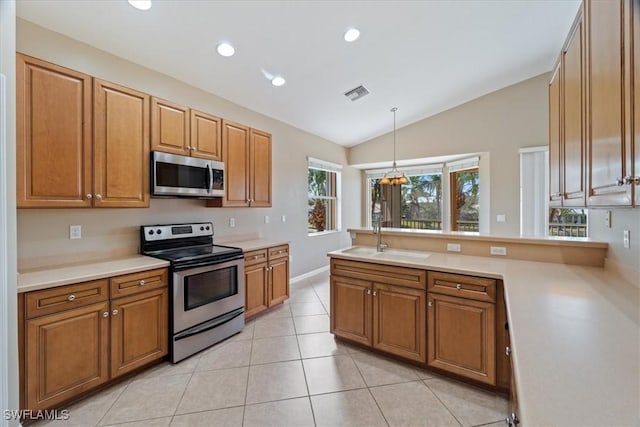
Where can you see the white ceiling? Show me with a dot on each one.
(421, 56)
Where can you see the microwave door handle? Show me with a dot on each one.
(210, 177)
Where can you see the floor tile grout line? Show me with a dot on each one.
(246, 389)
(384, 417)
(443, 404)
(306, 383)
(114, 402)
(184, 392)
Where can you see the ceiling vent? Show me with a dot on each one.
(357, 93)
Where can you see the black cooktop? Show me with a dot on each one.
(211, 253)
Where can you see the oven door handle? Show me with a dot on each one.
(214, 323)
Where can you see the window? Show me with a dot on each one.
(437, 197)
(417, 204)
(536, 217)
(323, 211)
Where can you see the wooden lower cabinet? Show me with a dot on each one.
(351, 309)
(133, 346)
(256, 281)
(74, 338)
(67, 353)
(462, 337)
(399, 321)
(266, 279)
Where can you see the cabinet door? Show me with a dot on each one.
(169, 127)
(636, 97)
(399, 325)
(66, 354)
(573, 113)
(462, 337)
(121, 146)
(503, 359)
(256, 279)
(54, 159)
(206, 136)
(235, 153)
(260, 169)
(609, 150)
(555, 157)
(139, 330)
(278, 280)
(351, 309)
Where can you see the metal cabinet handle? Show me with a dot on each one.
(142, 283)
(368, 291)
(89, 196)
(430, 304)
(266, 269)
(628, 180)
(375, 293)
(458, 286)
(71, 297)
(507, 351)
(512, 420)
(98, 196)
(105, 314)
(114, 312)
(256, 256)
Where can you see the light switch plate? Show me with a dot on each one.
(498, 250)
(266, 219)
(232, 222)
(501, 218)
(284, 218)
(75, 232)
(626, 239)
(607, 219)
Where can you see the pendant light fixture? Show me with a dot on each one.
(394, 176)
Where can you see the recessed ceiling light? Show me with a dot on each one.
(141, 4)
(278, 81)
(351, 35)
(225, 49)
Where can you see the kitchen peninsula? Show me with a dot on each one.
(566, 322)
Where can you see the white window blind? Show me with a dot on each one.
(534, 206)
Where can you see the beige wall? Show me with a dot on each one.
(43, 232)
(621, 219)
(499, 123)
(8, 302)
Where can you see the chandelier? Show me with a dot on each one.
(394, 176)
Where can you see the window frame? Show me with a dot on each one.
(334, 215)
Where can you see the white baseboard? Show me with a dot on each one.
(309, 274)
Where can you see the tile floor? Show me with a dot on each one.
(286, 369)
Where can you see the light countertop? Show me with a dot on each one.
(255, 244)
(574, 330)
(31, 280)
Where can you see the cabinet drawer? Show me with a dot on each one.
(255, 257)
(279, 252)
(130, 284)
(457, 285)
(54, 300)
(388, 274)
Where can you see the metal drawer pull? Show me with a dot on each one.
(458, 286)
(71, 297)
(375, 293)
(105, 314)
(256, 256)
(114, 312)
(89, 196)
(141, 283)
(507, 351)
(430, 304)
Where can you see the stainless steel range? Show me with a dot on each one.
(207, 285)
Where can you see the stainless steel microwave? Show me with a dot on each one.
(183, 176)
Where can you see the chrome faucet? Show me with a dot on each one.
(377, 229)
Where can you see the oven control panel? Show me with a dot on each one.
(176, 231)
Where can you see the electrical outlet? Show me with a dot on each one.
(501, 218)
(625, 239)
(266, 219)
(75, 232)
(284, 218)
(232, 222)
(454, 247)
(498, 250)
(607, 219)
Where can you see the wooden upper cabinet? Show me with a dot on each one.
(635, 19)
(573, 141)
(609, 85)
(206, 136)
(235, 149)
(121, 146)
(54, 157)
(169, 127)
(260, 168)
(555, 157)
